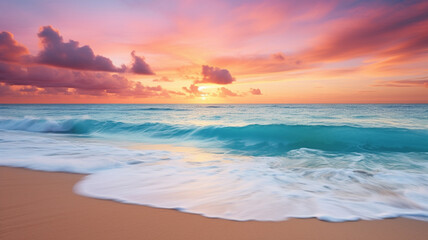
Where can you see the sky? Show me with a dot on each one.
(188, 51)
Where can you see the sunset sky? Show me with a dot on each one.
(189, 51)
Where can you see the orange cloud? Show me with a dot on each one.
(224, 92)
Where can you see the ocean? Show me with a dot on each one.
(265, 162)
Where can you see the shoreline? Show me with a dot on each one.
(42, 205)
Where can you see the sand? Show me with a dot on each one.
(40, 205)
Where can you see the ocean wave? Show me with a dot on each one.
(22, 149)
(237, 162)
(214, 106)
(304, 183)
(267, 140)
(160, 109)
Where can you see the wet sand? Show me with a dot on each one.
(41, 205)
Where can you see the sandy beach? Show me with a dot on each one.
(41, 205)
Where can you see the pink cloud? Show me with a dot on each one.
(11, 50)
(255, 91)
(42, 76)
(384, 30)
(71, 70)
(396, 33)
(64, 81)
(216, 75)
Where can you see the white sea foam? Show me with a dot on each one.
(56, 153)
(267, 189)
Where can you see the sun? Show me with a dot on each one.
(203, 95)
(200, 88)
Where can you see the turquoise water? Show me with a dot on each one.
(333, 162)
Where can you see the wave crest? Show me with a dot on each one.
(258, 140)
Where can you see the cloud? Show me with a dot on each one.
(195, 91)
(10, 49)
(224, 92)
(390, 30)
(60, 91)
(192, 90)
(6, 90)
(216, 75)
(257, 64)
(47, 80)
(278, 56)
(42, 76)
(255, 91)
(141, 91)
(162, 79)
(58, 53)
(139, 66)
(176, 93)
(422, 82)
(30, 89)
(390, 34)
(67, 69)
